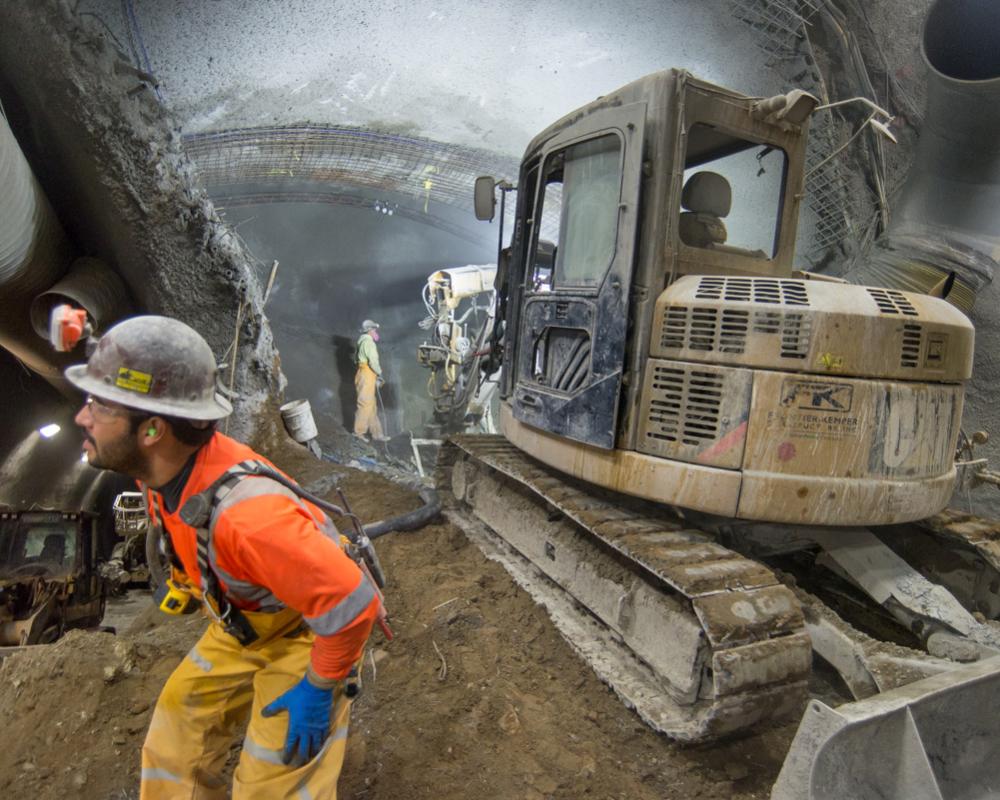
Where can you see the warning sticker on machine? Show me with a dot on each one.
(817, 395)
(815, 410)
(805, 425)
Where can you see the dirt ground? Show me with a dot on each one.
(477, 696)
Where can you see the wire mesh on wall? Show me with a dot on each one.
(778, 23)
(781, 29)
(426, 170)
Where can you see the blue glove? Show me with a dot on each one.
(308, 708)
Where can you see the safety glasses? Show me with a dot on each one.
(102, 411)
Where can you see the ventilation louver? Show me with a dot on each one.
(706, 329)
(910, 356)
(684, 405)
(753, 290)
(889, 301)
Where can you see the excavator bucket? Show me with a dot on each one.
(935, 739)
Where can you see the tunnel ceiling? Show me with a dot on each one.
(477, 74)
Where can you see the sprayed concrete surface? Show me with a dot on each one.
(484, 74)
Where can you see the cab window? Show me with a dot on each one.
(732, 193)
(582, 181)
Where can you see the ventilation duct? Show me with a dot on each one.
(946, 218)
(90, 284)
(34, 254)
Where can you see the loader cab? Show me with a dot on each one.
(49, 580)
(667, 177)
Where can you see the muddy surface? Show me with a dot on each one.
(477, 696)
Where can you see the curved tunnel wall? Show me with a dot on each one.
(946, 216)
(357, 220)
(340, 263)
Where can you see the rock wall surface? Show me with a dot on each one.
(109, 157)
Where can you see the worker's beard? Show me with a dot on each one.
(119, 455)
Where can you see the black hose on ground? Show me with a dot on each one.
(409, 521)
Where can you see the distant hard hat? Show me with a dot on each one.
(154, 364)
(368, 325)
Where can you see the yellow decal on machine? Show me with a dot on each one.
(133, 380)
(830, 362)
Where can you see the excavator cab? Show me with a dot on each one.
(667, 178)
(654, 313)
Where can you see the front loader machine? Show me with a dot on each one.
(699, 441)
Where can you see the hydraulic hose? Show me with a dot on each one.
(410, 521)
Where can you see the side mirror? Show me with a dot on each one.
(484, 198)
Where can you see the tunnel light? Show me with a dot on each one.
(50, 430)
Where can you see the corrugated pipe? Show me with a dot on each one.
(34, 257)
(947, 219)
(90, 284)
(34, 254)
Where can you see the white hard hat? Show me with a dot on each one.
(154, 364)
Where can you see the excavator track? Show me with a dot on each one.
(700, 640)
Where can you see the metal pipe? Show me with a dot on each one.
(946, 218)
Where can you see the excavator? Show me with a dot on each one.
(712, 465)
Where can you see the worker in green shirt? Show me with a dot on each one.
(367, 380)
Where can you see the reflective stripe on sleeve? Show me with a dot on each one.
(345, 612)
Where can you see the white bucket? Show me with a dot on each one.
(298, 419)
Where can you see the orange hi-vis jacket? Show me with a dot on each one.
(270, 554)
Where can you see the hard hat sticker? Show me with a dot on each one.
(133, 380)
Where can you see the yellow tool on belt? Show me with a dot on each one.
(174, 598)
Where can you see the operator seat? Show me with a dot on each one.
(707, 197)
(53, 549)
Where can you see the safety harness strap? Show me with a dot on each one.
(198, 513)
(202, 512)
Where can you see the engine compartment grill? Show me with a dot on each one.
(707, 329)
(889, 301)
(753, 290)
(912, 338)
(684, 405)
(695, 412)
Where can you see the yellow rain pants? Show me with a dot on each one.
(366, 417)
(214, 690)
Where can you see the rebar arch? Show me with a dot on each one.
(424, 169)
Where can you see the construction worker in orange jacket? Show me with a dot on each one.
(291, 611)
